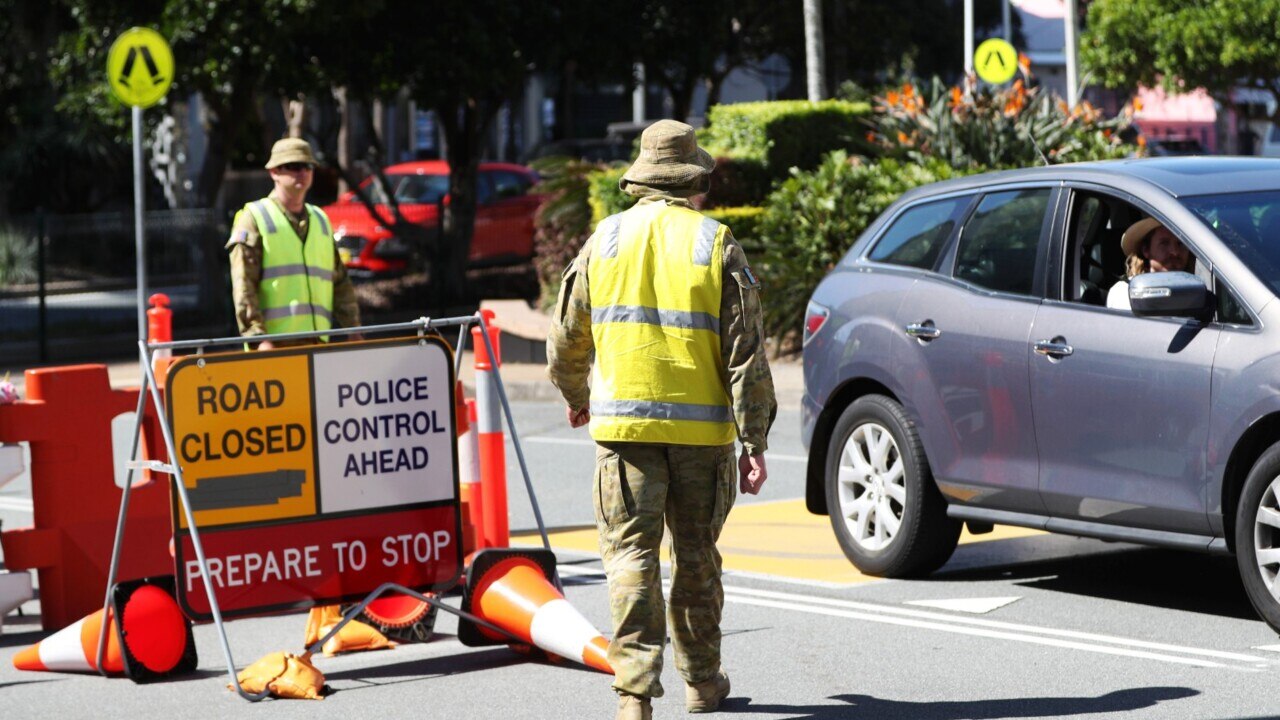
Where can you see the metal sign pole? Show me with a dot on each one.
(138, 202)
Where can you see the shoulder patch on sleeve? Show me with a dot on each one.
(239, 237)
(746, 278)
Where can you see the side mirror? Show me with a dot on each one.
(1168, 294)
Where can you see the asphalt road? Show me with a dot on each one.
(1025, 625)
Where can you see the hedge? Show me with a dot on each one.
(785, 134)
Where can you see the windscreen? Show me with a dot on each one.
(1249, 224)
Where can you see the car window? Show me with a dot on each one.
(1229, 308)
(508, 184)
(484, 188)
(1094, 260)
(919, 233)
(415, 188)
(999, 243)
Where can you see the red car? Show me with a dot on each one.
(504, 216)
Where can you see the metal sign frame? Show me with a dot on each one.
(150, 390)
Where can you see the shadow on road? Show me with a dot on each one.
(866, 706)
(1157, 577)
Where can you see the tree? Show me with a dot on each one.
(683, 44)
(1184, 44)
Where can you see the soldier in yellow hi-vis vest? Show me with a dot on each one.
(286, 275)
(663, 300)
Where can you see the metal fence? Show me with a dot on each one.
(68, 287)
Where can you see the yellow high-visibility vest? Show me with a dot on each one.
(655, 278)
(296, 291)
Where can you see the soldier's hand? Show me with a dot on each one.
(579, 418)
(266, 345)
(751, 473)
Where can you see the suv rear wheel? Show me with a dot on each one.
(1258, 536)
(888, 515)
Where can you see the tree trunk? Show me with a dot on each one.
(463, 129)
(813, 50)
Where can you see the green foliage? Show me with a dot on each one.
(985, 128)
(783, 134)
(812, 220)
(1214, 44)
(563, 222)
(605, 197)
(17, 257)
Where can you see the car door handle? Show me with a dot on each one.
(1056, 348)
(923, 331)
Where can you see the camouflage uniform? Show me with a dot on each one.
(638, 485)
(245, 247)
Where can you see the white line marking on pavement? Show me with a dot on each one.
(17, 503)
(1268, 648)
(580, 441)
(1091, 642)
(975, 606)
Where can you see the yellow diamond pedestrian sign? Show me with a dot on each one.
(140, 67)
(996, 61)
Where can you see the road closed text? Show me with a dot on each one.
(238, 441)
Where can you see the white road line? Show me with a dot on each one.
(17, 503)
(962, 630)
(582, 441)
(980, 626)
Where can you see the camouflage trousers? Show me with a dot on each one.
(638, 488)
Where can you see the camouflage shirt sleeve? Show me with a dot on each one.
(570, 349)
(748, 379)
(245, 247)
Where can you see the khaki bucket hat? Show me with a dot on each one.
(290, 150)
(669, 156)
(1137, 232)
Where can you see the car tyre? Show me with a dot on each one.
(1257, 536)
(887, 513)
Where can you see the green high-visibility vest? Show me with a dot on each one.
(655, 278)
(296, 291)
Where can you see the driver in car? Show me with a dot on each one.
(1148, 247)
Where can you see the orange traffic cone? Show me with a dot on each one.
(74, 649)
(157, 637)
(353, 636)
(510, 589)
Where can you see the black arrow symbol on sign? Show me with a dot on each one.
(999, 58)
(152, 70)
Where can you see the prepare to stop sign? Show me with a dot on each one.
(319, 473)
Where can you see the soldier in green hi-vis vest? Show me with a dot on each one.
(662, 311)
(286, 275)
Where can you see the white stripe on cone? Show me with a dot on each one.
(63, 650)
(559, 629)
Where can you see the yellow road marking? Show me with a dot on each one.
(775, 538)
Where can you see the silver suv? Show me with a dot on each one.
(962, 366)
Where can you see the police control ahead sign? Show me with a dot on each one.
(316, 474)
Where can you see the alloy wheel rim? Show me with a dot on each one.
(871, 486)
(1266, 538)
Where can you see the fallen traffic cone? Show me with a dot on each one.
(74, 649)
(157, 637)
(353, 637)
(511, 589)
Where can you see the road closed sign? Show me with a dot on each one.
(315, 474)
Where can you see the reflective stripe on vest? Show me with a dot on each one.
(296, 290)
(655, 278)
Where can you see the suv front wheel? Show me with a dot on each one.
(1258, 536)
(887, 513)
